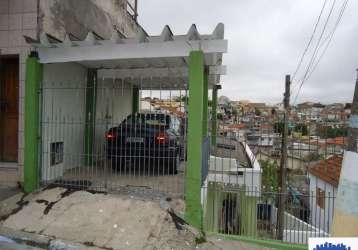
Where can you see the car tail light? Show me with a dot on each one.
(111, 135)
(161, 138)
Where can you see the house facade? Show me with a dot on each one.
(324, 179)
(30, 18)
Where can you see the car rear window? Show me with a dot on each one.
(148, 119)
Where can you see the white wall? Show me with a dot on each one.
(114, 104)
(322, 218)
(296, 230)
(225, 170)
(63, 118)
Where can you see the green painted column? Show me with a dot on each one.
(193, 210)
(33, 80)
(205, 106)
(135, 100)
(214, 117)
(91, 96)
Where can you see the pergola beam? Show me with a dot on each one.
(154, 72)
(108, 50)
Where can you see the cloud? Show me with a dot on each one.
(266, 40)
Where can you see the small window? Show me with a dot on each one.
(56, 153)
(320, 198)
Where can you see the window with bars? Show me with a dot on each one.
(320, 198)
(56, 153)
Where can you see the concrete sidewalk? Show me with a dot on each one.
(97, 219)
(102, 221)
(15, 246)
(6, 192)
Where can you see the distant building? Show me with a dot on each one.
(336, 145)
(258, 105)
(310, 111)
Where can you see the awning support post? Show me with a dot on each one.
(193, 210)
(91, 96)
(214, 122)
(205, 106)
(135, 100)
(33, 80)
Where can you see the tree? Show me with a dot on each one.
(301, 128)
(348, 106)
(184, 99)
(234, 111)
(235, 114)
(210, 103)
(326, 132)
(269, 174)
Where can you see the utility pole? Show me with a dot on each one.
(135, 10)
(283, 164)
(353, 126)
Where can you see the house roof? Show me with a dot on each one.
(341, 141)
(328, 170)
(266, 126)
(237, 126)
(147, 61)
(173, 110)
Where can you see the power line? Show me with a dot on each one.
(329, 37)
(310, 41)
(315, 51)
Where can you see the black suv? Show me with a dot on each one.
(150, 139)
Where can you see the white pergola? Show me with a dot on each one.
(148, 61)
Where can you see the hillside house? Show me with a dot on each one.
(324, 179)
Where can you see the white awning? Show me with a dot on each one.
(146, 60)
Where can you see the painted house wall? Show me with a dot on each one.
(63, 113)
(322, 218)
(114, 104)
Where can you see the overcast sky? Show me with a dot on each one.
(266, 39)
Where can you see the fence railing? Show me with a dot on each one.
(96, 138)
(242, 191)
(254, 213)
